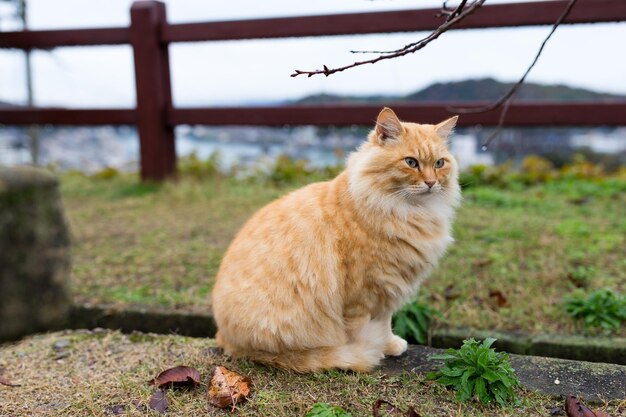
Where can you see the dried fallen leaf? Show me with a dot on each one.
(388, 408)
(412, 413)
(449, 293)
(580, 201)
(179, 376)
(576, 408)
(557, 411)
(480, 263)
(227, 388)
(158, 401)
(139, 406)
(6, 381)
(500, 298)
(115, 410)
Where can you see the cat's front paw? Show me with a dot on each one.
(396, 346)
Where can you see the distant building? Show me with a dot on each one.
(601, 142)
(466, 150)
(13, 147)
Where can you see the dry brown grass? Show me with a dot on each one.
(84, 373)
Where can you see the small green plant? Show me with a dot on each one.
(412, 322)
(477, 370)
(327, 410)
(581, 275)
(107, 173)
(195, 167)
(535, 169)
(600, 309)
(288, 171)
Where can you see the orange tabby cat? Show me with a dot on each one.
(312, 279)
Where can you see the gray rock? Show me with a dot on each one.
(34, 253)
(61, 344)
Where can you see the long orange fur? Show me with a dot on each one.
(313, 278)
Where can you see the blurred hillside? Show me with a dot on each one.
(479, 89)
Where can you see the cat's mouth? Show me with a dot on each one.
(420, 190)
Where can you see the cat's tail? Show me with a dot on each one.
(361, 355)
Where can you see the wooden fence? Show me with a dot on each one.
(155, 117)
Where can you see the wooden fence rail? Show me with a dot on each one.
(155, 117)
(521, 114)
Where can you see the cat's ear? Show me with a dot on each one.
(388, 126)
(445, 128)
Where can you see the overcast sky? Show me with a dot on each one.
(232, 72)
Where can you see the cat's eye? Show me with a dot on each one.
(412, 162)
(439, 163)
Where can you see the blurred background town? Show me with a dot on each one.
(579, 64)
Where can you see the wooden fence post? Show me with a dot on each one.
(154, 93)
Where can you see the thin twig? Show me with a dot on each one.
(451, 13)
(457, 11)
(445, 11)
(507, 98)
(496, 133)
(404, 51)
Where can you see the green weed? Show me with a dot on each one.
(412, 322)
(602, 309)
(327, 410)
(477, 370)
(195, 167)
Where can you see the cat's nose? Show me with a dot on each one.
(430, 183)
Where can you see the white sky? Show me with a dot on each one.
(232, 72)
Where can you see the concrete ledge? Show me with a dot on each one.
(580, 348)
(592, 349)
(508, 342)
(89, 317)
(608, 350)
(592, 381)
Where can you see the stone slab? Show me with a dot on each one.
(591, 381)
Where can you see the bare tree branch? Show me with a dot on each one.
(454, 16)
(506, 100)
(408, 49)
(452, 13)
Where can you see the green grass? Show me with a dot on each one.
(160, 246)
(137, 244)
(98, 371)
(526, 244)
